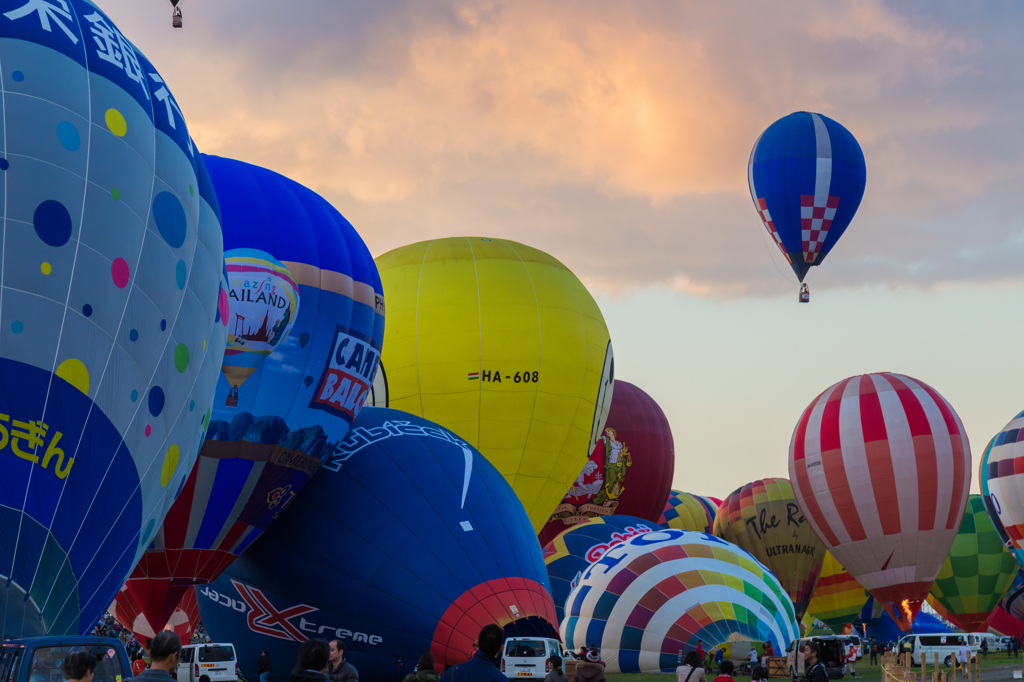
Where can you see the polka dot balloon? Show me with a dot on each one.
(110, 334)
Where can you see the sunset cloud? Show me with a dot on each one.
(615, 135)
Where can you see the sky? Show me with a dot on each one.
(615, 136)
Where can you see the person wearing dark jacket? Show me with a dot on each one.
(556, 674)
(485, 666)
(424, 670)
(816, 669)
(338, 669)
(164, 653)
(264, 664)
(590, 670)
(79, 666)
(312, 663)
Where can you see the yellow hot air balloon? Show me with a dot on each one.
(502, 344)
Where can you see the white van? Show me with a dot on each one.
(527, 656)
(216, 660)
(945, 645)
(995, 642)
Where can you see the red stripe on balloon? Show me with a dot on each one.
(833, 465)
(879, 457)
(803, 482)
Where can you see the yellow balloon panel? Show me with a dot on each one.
(502, 344)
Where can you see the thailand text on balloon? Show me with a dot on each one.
(574, 549)
(305, 322)
(764, 518)
(502, 344)
(806, 175)
(113, 254)
(654, 597)
(407, 541)
(880, 465)
(629, 472)
(977, 572)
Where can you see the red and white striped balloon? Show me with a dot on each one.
(880, 464)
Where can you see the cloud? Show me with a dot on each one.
(615, 135)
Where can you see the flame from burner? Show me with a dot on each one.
(905, 605)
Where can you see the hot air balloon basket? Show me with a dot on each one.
(777, 666)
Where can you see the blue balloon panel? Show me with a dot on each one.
(110, 345)
(406, 541)
(806, 176)
(570, 552)
(304, 311)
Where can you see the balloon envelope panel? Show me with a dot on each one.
(183, 620)
(305, 298)
(978, 570)
(649, 599)
(764, 518)
(110, 337)
(806, 176)
(838, 598)
(572, 550)
(684, 511)
(629, 471)
(880, 465)
(408, 541)
(502, 344)
(1001, 485)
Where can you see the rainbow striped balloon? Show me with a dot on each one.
(648, 600)
(838, 598)
(684, 511)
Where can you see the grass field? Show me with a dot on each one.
(868, 673)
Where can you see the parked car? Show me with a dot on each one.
(527, 656)
(216, 660)
(831, 654)
(945, 645)
(40, 659)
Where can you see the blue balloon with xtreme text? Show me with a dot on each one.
(406, 541)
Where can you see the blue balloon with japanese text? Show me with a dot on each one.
(111, 332)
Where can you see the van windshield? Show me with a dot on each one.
(48, 662)
(525, 648)
(216, 654)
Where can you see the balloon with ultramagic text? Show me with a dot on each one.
(404, 540)
(305, 316)
(111, 336)
(764, 518)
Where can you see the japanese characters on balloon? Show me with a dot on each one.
(110, 333)
(880, 465)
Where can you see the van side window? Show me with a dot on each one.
(8, 663)
(186, 655)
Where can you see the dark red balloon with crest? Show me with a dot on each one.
(630, 470)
